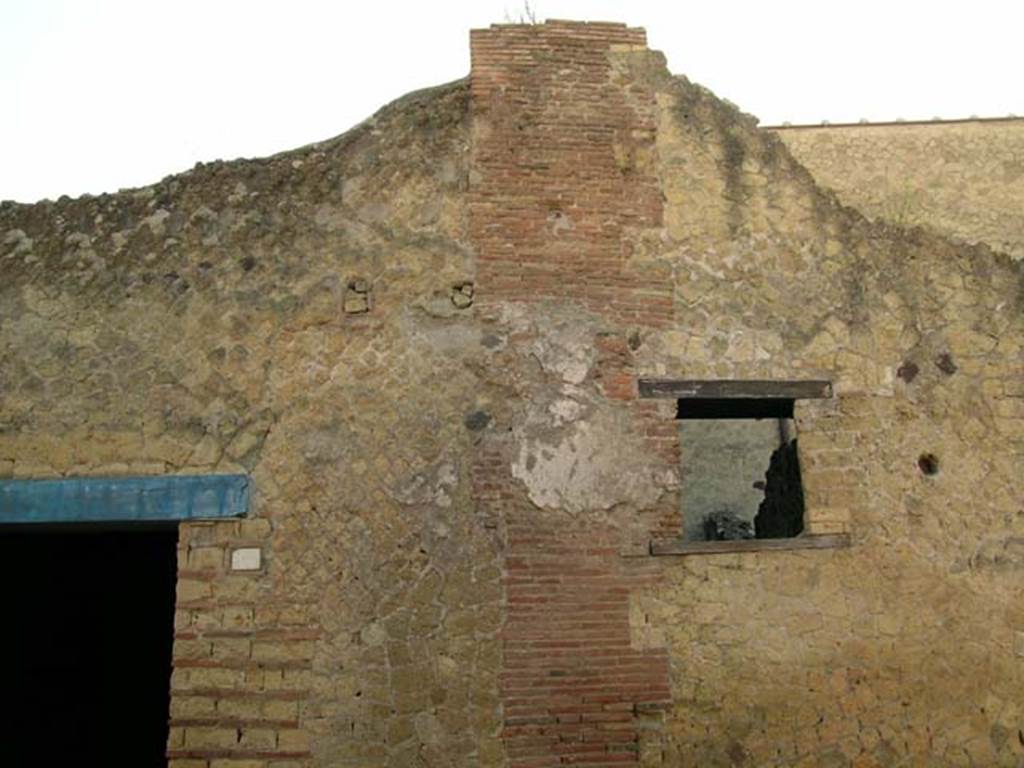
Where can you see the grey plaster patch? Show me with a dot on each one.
(566, 350)
(565, 464)
(447, 338)
(437, 305)
(999, 554)
(21, 242)
(433, 486)
(156, 221)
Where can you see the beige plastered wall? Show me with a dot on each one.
(962, 178)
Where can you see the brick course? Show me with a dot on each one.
(560, 148)
(230, 704)
(558, 195)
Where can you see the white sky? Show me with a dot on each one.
(96, 95)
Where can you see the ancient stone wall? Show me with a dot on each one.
(962, 178)
(423, 341)
(290, 318)
(834, 658)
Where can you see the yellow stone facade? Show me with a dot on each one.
(315, 320)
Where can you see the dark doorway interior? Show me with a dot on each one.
(86, 645)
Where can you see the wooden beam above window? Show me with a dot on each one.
(736, 388)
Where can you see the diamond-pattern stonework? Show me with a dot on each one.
(422, 342)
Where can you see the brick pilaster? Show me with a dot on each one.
(562, 184)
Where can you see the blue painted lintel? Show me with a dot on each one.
(124, 499)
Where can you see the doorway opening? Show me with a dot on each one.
(88, 632)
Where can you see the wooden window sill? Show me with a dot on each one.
(806, 541)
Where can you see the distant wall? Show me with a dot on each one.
(961, 178)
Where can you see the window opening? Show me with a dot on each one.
(740, 470)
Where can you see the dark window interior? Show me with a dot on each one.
(86, 645)
(735, 408)
(740, 471)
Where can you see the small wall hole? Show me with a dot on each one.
(928, 464)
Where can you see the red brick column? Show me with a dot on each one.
(560, 148)
(562, 184)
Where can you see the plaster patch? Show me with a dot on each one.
(566, 466)
(448, 338)
(566, 351)
(433, 486)
(156, 221)
(564, 411)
